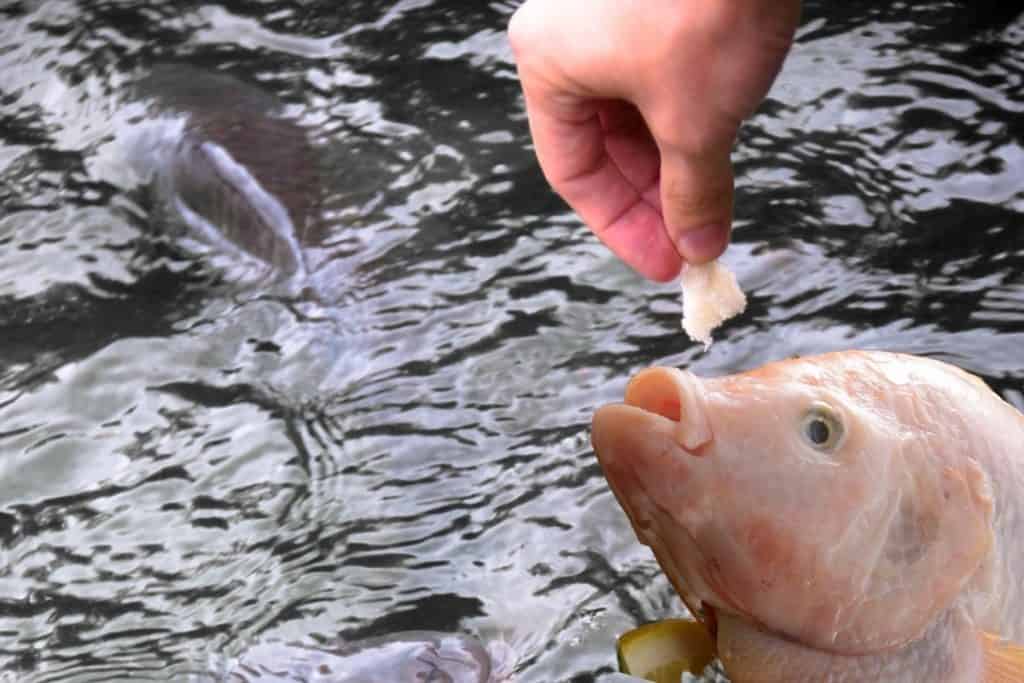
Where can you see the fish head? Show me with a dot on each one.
(826, 500)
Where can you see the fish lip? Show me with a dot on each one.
(678, 397)
(657, 420)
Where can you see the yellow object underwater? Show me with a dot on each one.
(661, 651)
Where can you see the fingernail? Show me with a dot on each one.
(703, 244)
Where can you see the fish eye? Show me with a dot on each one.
(822, 428)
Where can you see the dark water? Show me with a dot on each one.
(190, 465)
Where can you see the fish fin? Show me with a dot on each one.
(1004, 661)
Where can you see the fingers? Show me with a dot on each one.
(605, 167)
(600, 157)
(696, 201)
(634, 106)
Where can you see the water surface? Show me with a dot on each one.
(191, 463)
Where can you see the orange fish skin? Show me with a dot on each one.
(842, 514)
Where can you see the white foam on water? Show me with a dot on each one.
(221, 27)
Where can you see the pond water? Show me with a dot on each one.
(193, 462)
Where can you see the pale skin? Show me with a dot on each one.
(634, 107)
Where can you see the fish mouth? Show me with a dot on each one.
(677, 397)
(651, 448)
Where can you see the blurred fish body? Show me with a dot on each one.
(238, 173)
(856, 516)
(406, 657)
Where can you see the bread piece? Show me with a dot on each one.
(711, 296)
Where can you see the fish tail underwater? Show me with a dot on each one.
(304, 368)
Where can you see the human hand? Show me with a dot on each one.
(634, 106)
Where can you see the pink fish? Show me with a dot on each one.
(856, 516)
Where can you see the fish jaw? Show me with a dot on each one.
(656, 431)
(743, 520)
(616, 429)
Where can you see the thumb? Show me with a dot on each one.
(696, 203)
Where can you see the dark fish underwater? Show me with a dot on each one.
(224, 159)
(223, 166)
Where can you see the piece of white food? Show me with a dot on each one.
(711, 296)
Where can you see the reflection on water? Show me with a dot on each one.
(193, 464)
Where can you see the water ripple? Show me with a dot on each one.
(193, 464)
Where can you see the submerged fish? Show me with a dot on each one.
(221, 154)
(856, 516)
(406, 657)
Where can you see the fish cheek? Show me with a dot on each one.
(911, 532)
(953, 536)
(749, 563)
(771, 549)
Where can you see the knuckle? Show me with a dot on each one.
(707, 201)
